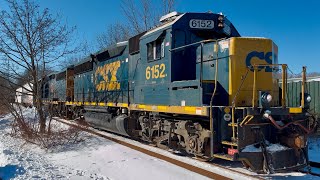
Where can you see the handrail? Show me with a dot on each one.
(307, 130)
(303, 86)
(284, 85)
(211, 100)
(254, 91)
(216, 77)
(245, 77)
(284, 81)
(199, 42)
(246, 120)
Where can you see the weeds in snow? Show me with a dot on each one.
(26, 126)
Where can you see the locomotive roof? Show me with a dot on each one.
(118, 48)
(83, 60)
(179, 16)
(163, 25)
(112, 47)
(112, 51)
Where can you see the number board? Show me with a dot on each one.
(156, 71)
(201, 24)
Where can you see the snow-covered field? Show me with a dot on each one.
(98, 158)
(94, 158)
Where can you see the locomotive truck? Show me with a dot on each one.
(194, 85)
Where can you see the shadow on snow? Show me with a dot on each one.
(11, 171)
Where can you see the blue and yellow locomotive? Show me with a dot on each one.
(191, 84)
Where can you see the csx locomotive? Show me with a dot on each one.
(191, 84)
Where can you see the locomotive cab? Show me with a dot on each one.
(198, 66)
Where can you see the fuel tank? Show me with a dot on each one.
(107, 121)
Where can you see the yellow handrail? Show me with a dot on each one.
(254, 92)
(246, 120)
(284, 82)
(303, 85)
(233, 125)
(284, 85)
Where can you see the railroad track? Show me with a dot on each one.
(194, 165)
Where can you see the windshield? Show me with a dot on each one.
(197, 36)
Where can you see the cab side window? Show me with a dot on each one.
(155, 49)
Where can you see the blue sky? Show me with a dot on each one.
(293, 25)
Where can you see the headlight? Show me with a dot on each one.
(308, 98)
(266, 98)
(269, 98)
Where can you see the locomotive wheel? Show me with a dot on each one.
(192, 144)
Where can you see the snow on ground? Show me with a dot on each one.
(232, 165)
(314, 151)
(94, 158)
(98, 158)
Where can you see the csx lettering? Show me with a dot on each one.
(267, 57)
(108, 72)
(155, 71)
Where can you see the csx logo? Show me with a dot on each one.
(266, 57)
(106, 77)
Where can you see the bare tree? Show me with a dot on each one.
(168, 6)
(83, 51)
(299, 75)
(115, 33)
(6, 95)
(140, 16)
(146, 14)
(313, 74)
(31, 39)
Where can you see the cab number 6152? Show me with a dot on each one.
(155, 71)
(201, 24)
